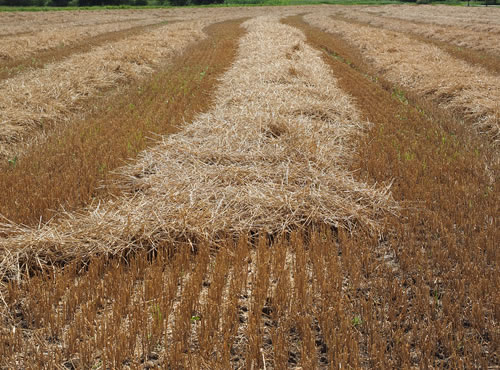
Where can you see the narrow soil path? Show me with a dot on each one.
(67, 168)
(39, 60)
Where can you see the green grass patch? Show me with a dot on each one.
(227, 3)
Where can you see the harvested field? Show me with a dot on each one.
(56, 39)
(37, 100)
(18, 59)
(22, 23)
(440, 170)
(317, 208)
(474, 19)
(483, 40)
(41, 182)
(474, 47)
(57, 92)
(418, 67)
(236, 169)
(17, 47)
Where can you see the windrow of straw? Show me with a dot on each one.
(474, 18)
(36, 100)
(27, 45)
(456, 34)
(12, 23)
(23, 23)
(56, 34)
(33, 101)
(427, 70)
(270, 156)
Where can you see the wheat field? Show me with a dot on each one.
(306, 187)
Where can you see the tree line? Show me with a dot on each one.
(63, 3)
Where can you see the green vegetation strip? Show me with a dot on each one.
(227, 3)
(67, 169)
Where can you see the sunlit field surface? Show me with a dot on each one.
(307, 187)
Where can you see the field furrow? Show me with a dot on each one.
(417, 66)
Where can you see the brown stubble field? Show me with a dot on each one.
(259, 188)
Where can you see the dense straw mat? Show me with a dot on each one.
(271, 156)
(472, 92)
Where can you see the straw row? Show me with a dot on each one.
(38, 99)
(12, 23)
(27, 45)
(456, 33)
(474, 93)
(270, 156)
(32, 101)
(473, 18)
(22, 23)
(51, 33)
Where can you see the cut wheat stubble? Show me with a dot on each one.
(270, 156)
(473, 18)
(35, 101)
(456, 34)
(427, 71)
